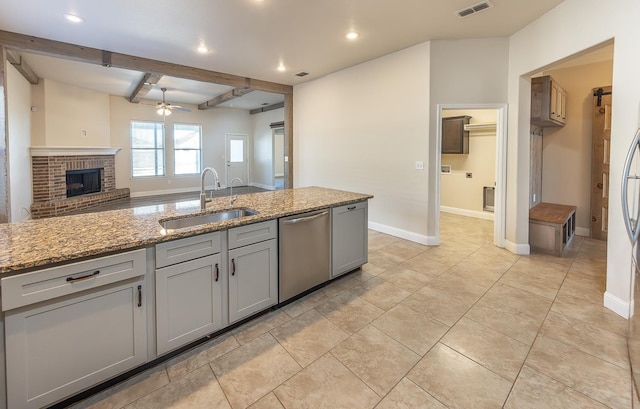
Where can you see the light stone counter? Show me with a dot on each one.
(39, 243)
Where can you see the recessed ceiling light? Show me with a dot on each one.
(282, 68)
(202, 49)
(352, 35)
(73, 18)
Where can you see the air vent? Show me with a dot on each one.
(476, 8)
(302, 74)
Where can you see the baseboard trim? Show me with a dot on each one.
(520, 249)
(616, 305)
(195, 190)
(262, 186)
(403, 234)
(469, 213)
(583, 231)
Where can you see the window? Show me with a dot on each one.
(147, 149)
(187, 148)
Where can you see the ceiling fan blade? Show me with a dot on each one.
(179, 108)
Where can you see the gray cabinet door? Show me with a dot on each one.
(253, 279)
(188, 302)
(58, 348)
(349, 238)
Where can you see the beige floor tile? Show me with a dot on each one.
(595, 268)
(436, 305)
(304, 304)
(588, 338)
(385, 260)
(491, 349)
(507, 320)
(381, 293)
(483, 277)
(269, 401)
(457, 381)
(534, 390)
(592, 376)
(404, 249)
(349, 311)
(128, 391)
(249, 372)
(545, 285)
(377, 240)
(365, 274)
(256, 327)
(371, 269)
(426, 266)
(308, 336)
(592, 312)
(200, 355)
(458, 287)
(446, 256)
(408, 395)
(406, 279)
(377, 359)
(583, 286)
(520, 300)
(411, 328)
(198, 389)
(340, 285)
(326, 384)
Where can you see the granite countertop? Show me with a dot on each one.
(39, 243)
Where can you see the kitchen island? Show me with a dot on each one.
(120, 283)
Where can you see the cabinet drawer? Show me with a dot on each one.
(177, 251)
(252, 233)
(42, 285)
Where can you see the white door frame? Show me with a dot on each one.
(227, 136)
(499, 212)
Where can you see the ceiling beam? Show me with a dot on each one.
(106, 58)
(23, 68)
(227, 96)
(144, 86)
(267, 108)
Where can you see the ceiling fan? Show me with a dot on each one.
(164, 108)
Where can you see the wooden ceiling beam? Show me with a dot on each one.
(105, 58)
(227, 96)
(23, 68)
(144, 86)
(271, 107)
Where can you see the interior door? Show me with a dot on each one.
(600, 143)
(236, 158)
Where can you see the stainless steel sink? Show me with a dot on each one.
(198, 219)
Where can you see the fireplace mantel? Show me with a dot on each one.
(72, 151)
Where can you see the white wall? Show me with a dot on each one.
(216, 123)
(462, 195)
(19, 157)
(571, 27)
(566, 159)
(362, 129)
(262, 161)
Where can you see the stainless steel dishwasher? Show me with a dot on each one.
(305, 252)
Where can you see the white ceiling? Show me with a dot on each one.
(249, 38)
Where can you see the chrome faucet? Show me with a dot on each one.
(216, 186)
(233, 198)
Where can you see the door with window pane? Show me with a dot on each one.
(236, 158)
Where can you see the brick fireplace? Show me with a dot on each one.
(50, 183)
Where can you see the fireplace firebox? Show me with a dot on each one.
(83, 181)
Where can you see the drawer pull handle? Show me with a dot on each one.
(73, 279)
(351, 208)
(139, 296)
(233, 266)
(217, 272)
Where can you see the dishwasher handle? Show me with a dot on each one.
(306, 218)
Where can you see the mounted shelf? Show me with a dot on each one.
(484, 127)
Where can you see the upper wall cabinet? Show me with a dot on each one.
(454, 138)
(548, 102)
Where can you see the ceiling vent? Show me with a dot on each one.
(476, 8)
(302, 74)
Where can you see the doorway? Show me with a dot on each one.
(236, 159)
(500, 111)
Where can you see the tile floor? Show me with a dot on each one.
(461, 325)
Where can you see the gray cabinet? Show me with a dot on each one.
(548, 102)
(454, 138)
(349, 237)
(189, 293)
(66, 330)
(252, 269)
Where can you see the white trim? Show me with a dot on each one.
(520, 249)
(195, 190)
(71, 151)
(468, 213)
(403, 234)
(616, 305)
(262, 186)
(583, 231)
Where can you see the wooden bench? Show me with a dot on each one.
(551, 227)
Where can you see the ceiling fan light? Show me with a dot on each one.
(164, 111)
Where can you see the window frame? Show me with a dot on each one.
(132, 149)
(175, 149)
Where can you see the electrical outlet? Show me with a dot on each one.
(469, 175)
(419, 165)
